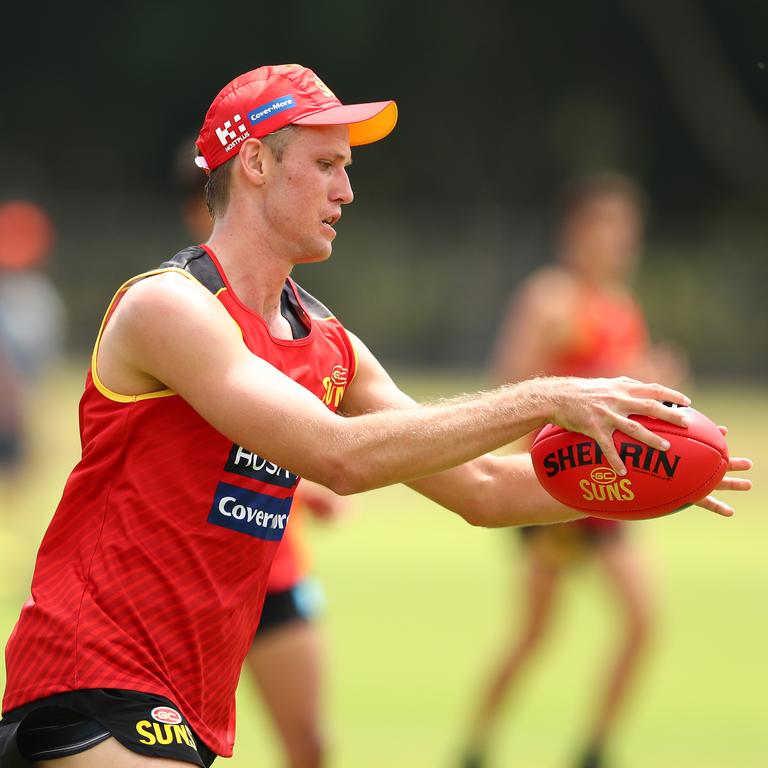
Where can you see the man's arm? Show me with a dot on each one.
(491, 490)
(169, 332)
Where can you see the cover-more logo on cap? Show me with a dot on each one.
(268, 98)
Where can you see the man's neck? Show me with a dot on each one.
(256, 275)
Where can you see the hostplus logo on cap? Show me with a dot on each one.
(227, 136)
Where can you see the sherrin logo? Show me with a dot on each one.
(165, 715)
(604, 485)
(638, 456)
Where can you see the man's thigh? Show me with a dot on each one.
(110, 754)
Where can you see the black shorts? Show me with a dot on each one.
(72, 722)
(302, 602)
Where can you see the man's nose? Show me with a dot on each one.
(344, 194)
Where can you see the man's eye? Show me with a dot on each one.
(326, 164)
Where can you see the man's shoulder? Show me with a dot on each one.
(195, 261)
(156, 292)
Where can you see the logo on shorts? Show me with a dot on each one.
(166, 715)
(335, 385)
(243, 462)
(165, 733)
(265, 111)
(244, 511)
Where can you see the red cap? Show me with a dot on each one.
(268, 98)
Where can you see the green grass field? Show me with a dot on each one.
(419, 601)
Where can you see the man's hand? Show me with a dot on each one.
(728, 484)
(597, 407)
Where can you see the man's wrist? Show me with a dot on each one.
(539, 400)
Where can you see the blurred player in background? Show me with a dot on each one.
(32, 320)
(286, 661)
(580, 318)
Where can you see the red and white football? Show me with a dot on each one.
(571, 467)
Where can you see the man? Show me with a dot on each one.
(149, 580)
(579, 317)
(287, 661)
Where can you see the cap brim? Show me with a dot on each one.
(367, 122)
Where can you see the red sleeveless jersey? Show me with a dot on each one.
(152, 572)
(609, 334)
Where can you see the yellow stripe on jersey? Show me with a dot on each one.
(99, 384)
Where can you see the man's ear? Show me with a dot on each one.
(253, 158)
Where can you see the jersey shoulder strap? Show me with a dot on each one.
(314, 308)
(199, 264)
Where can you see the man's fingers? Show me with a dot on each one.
(636, 430)
(739, 464)
(734, 484)
(611, 454)
(678, 416)
(657, 410)
(735, 464)
(715, 505)
(658, 392)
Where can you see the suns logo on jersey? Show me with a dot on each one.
(335, 385)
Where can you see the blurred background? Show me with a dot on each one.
(499, 104)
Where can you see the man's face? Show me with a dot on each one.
(305, 190)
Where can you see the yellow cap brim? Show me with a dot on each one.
(367, 122)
